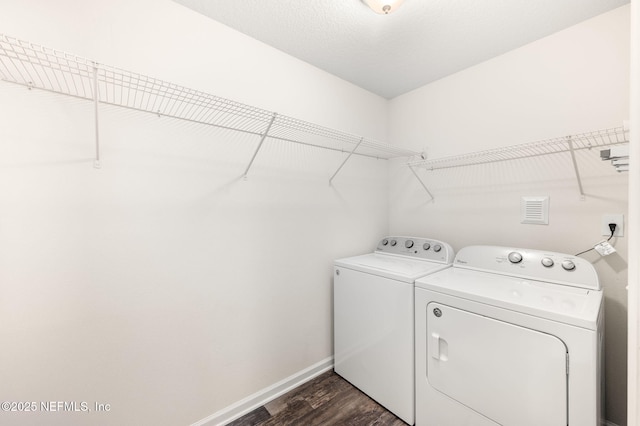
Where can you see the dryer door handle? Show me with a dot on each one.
(438, 347)
(434, 344)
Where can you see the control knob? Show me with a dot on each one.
(515, 257)
(393, 243)
(547, 262)
(385, 242)
(408, 244)
(437, 248)
(568, 265)
(426, 246)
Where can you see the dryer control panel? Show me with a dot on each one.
(558, 268)
(420, 248)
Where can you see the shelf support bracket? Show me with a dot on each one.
(420, 180)
(262, 138)
(96, 100)
(345, 160)
(575, 166)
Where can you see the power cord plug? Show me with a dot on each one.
(612, 228)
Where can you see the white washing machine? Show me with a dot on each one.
(509, 337)
(373, 318)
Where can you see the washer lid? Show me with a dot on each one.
(570, 305)
(391, 266)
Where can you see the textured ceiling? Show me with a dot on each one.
(424, 40)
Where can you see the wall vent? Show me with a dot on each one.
(535, 210)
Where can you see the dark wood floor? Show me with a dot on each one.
(326, 400)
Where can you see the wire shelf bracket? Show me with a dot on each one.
(575, 167)
(567, 144)
(345, 160)
(262, 138)
(43, 68)
(96, 101)
(413, 170)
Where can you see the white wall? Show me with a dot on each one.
(162, 284)
(634, 219)
(571, 82)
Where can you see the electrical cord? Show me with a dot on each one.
(612, 228)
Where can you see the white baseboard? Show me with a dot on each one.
(267, 394)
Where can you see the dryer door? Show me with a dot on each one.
(513, 375)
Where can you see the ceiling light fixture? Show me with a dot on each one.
(383, 7)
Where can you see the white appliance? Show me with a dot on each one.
(373, 317)
(509, 337)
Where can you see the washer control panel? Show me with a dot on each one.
(421, 248)
(539, 265)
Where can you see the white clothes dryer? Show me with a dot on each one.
(509, 337)
(373, 318)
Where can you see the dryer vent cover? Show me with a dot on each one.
(535, 210)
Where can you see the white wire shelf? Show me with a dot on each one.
(566, 144)
(35, 66)
(599, 138)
